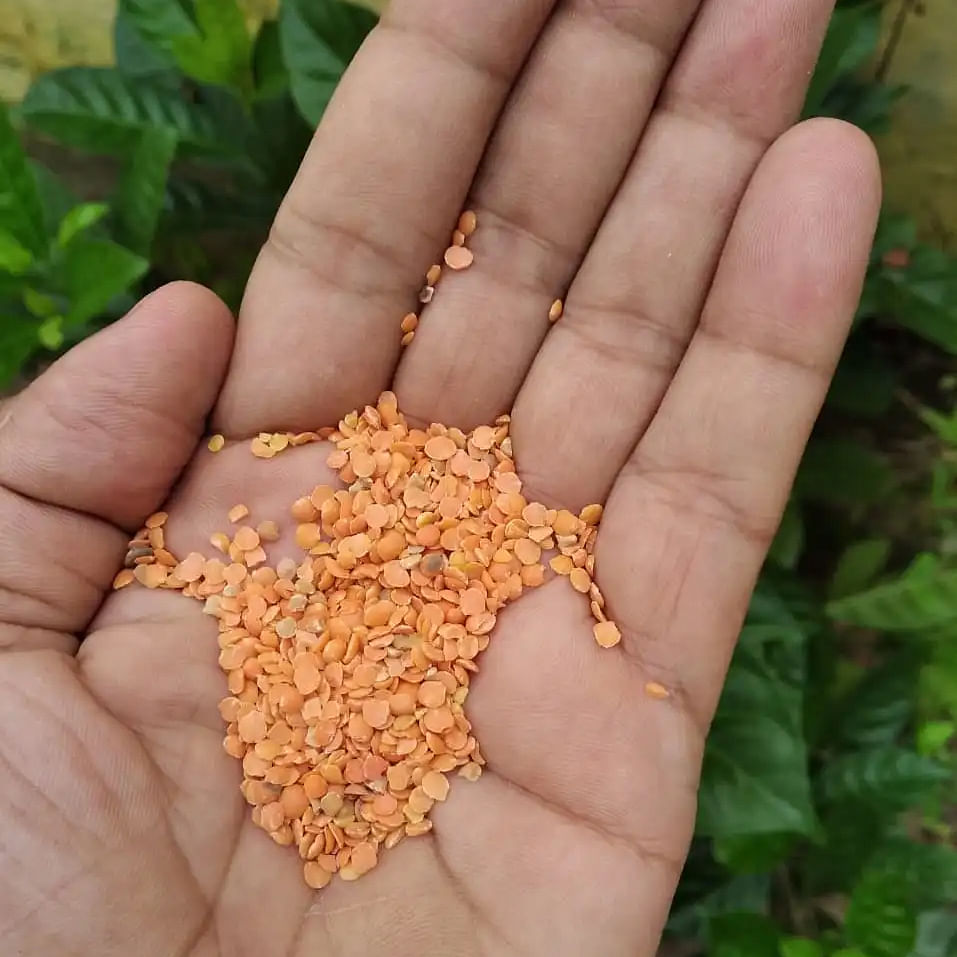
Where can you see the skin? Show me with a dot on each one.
(638, 155)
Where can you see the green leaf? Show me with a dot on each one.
(851, 39)
(895, 231)
(881, 919)
(755, 778)
(865, 383)
(21, 215)
(922, 296)
(879, 707)
(938, 679)
(936, 935)
(142, 190)
(196, 205)
(859, 565)
(943, 426)
(137, 55)
(277, 147)
(319, 39)
(269, 70)
(929, 871)
(887, 778)
(56, 199)
(79, 220)
(743, 935)
(15, 258)
(50, 333)
(701, 896)
(206, 39)
(18, 341)
(99, 110)
(220, 52)
(159, 21)
(864, 102)
(933, 737)
(851, 831)
(39, 305)
(93, 273)
(800, 947)
(911, 603)
(753, 853)
(842, 472)
(788, 544)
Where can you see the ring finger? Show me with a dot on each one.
(552, 167)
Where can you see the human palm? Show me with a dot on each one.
(711, 273)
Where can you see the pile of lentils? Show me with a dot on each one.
(349, 667)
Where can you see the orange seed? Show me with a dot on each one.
(459, 257)
(348, 665)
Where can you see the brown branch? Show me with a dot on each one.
(907, 7)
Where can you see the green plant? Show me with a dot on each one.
(204, 126)
(823, 826)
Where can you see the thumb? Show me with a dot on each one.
(95, 445)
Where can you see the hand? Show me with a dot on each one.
(711, 277)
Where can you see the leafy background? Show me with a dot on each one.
(827, 821)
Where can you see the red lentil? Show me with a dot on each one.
(349, 667)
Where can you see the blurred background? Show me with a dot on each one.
(147, 140)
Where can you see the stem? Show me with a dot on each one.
(907, 7)
(800, 918)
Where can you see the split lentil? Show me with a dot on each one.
(456, 257)
(348, 668)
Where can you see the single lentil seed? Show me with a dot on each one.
(123, 578)
(459, 257)
(216, 443)
(468, 223)
(557, 311)
(607, 634)
(246, 538)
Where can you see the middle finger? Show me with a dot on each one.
(553, 165)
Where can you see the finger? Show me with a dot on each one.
(567, 132)
(739, 82)
(692, 515)
(374, 202)
(93, 446)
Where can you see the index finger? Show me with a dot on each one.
(393, 158)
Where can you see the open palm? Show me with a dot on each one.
(625, 151)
